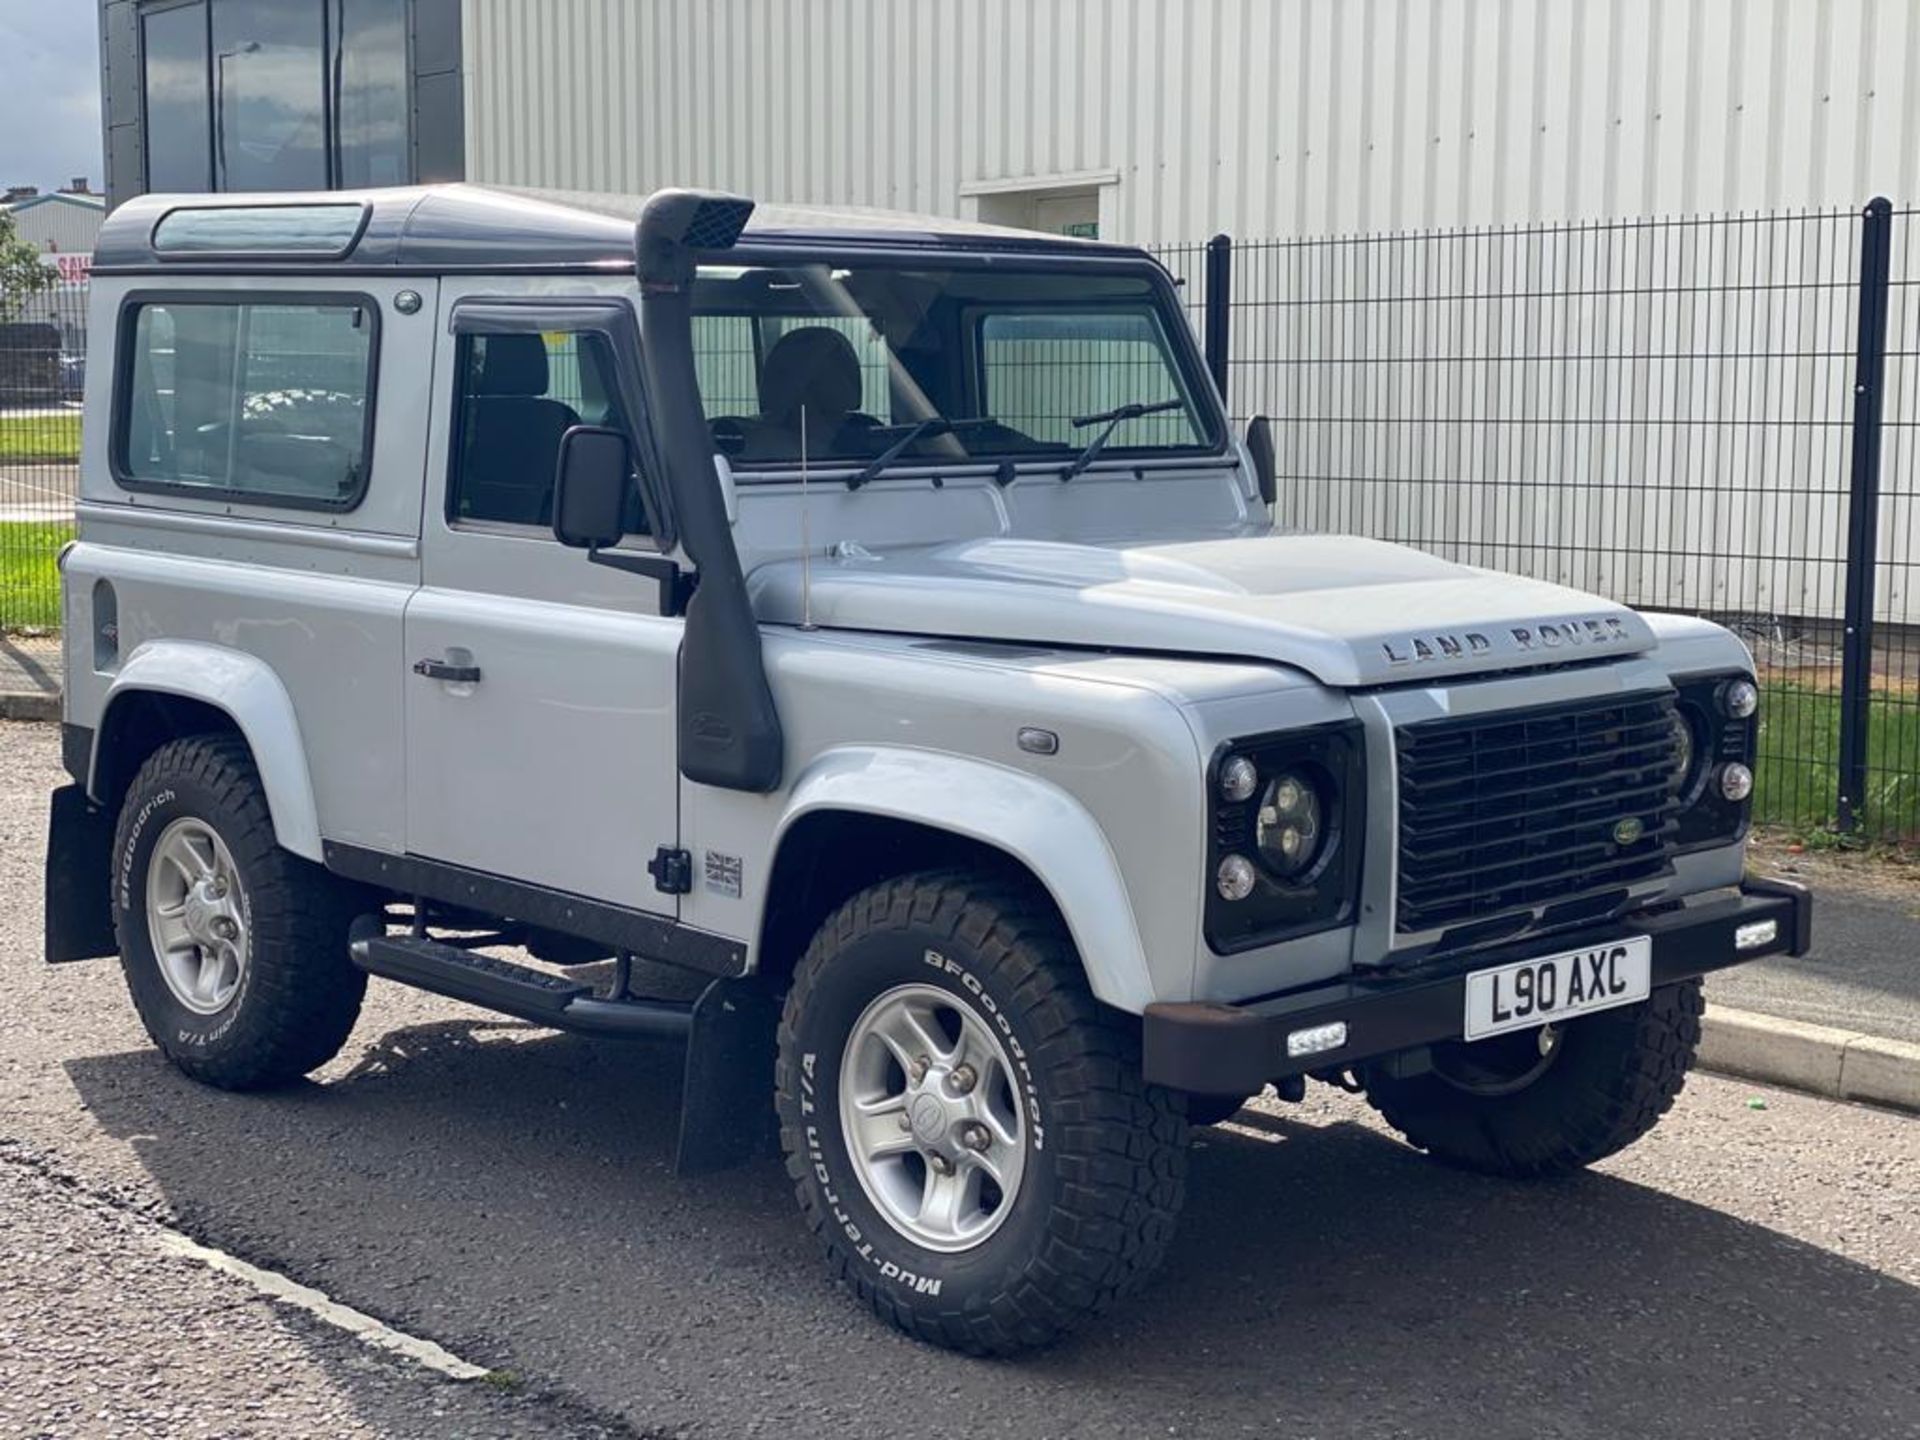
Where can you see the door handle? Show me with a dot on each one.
(441, 670)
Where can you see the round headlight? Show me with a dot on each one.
(1682, 752)
(1736, 781)
(1289, 828)
(1740, 699)
(1234, 879)
(1238, 778)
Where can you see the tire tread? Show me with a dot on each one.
(1635, 1067)
(304, 993)
(1122, 1143)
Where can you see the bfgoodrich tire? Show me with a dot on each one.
(235, 950)
(1607, 1080)
(966, 1127)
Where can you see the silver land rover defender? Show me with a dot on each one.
(525, 596)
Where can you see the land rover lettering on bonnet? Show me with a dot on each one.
(857, 649)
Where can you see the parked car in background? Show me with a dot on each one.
(73, 375)
(30, 372)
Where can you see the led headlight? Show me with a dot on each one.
(1289, 826)
(1286, 819)
(1717, 747)
(1683, 752)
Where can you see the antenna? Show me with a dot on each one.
(806, 534)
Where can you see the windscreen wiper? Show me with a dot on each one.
(1113, 419)
(925, 429)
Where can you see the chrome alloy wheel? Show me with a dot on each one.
(929, 1105)
(197, 916)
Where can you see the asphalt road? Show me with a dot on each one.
(505, 1191)
(1863, 973)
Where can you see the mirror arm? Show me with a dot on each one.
(676, 585)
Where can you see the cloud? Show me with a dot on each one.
(50, 101)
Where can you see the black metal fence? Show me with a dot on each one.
(43, 348)
(1718, 416)
(1715, 416)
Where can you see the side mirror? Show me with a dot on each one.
(590, 488)
(1260, 451)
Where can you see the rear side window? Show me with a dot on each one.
(263, 401)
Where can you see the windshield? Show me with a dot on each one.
(863, 356)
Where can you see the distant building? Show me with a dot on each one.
(61, 223)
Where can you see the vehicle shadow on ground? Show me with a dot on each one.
(508, 1191)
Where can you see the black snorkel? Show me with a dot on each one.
(729, 730)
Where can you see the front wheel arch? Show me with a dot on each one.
(862, 814)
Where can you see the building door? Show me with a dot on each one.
(540, 703)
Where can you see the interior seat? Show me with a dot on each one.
(512, 442)
(813, 368)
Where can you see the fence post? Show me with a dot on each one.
(1863, 507)
(1217, 332)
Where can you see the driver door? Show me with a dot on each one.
(541, 688)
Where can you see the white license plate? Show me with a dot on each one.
(1558, 987)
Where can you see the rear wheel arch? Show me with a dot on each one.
(139, 722)
(236, 694)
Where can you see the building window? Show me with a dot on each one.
(266, 402)
(276, 94)
(269, 115)
(370, 95)
(174, 44)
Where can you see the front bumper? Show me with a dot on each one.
(1235, 1049)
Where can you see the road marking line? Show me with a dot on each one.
(362, 1327)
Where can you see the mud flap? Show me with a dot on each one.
(79, 864)
(726, 1106)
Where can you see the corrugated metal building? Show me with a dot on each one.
(1167, 120)
(1157, 120)
(1164, 121)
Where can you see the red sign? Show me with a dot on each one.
(74, 269)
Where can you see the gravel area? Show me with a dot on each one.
(1752, 1269)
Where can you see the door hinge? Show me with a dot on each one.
(672, 871)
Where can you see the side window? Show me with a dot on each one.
(254, 400)
(519, 393)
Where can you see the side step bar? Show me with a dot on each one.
(511, 989)
(726, 1098)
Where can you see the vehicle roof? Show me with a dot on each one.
(463, 227)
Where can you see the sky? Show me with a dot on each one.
(50, 94)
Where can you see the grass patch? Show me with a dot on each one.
(40, 437)
(30, 574)
(1797, 780)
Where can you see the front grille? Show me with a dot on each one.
(1520, 810)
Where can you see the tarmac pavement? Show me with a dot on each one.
(1863, 973)
(1751, 1269)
